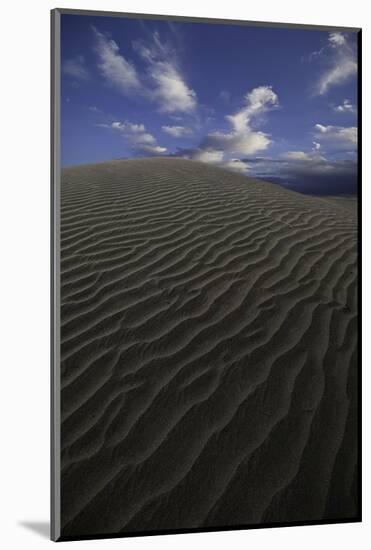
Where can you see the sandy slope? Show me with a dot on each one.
(208, 350)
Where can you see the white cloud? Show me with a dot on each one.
(297, 155)
(76, 68)
(137, 135)
(243, 139)
(211, 157)
(217, 158)
(143, 139)
(301, 157)
(337, 39)
(116, 70)
(236, 165)
(345, 107)
(152, 149)
(177, 131)
(220, 147)
(154, 50)
(337, 135)
(128, 127)
(337, 75)
(321, 129)
(168, 86)
(162, 80)
(258, 101)
(171, 91)
(342, 63)
(245, 142)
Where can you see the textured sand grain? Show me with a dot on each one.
(209, 366)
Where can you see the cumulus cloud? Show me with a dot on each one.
(244, 143)
(76, 68)
(339, 136)
(177, 131)
(116, 70)
(258, 101)
(141, 141)
(237, 165)
(341, 62)
(224, 148)
(212, 157)
(345, 107)
(216, 158)
(243, 139)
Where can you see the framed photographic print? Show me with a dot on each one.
(206, 253)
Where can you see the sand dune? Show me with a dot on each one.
(208, 350)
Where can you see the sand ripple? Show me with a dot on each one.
(208, 348)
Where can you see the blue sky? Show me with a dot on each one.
(269, 102)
